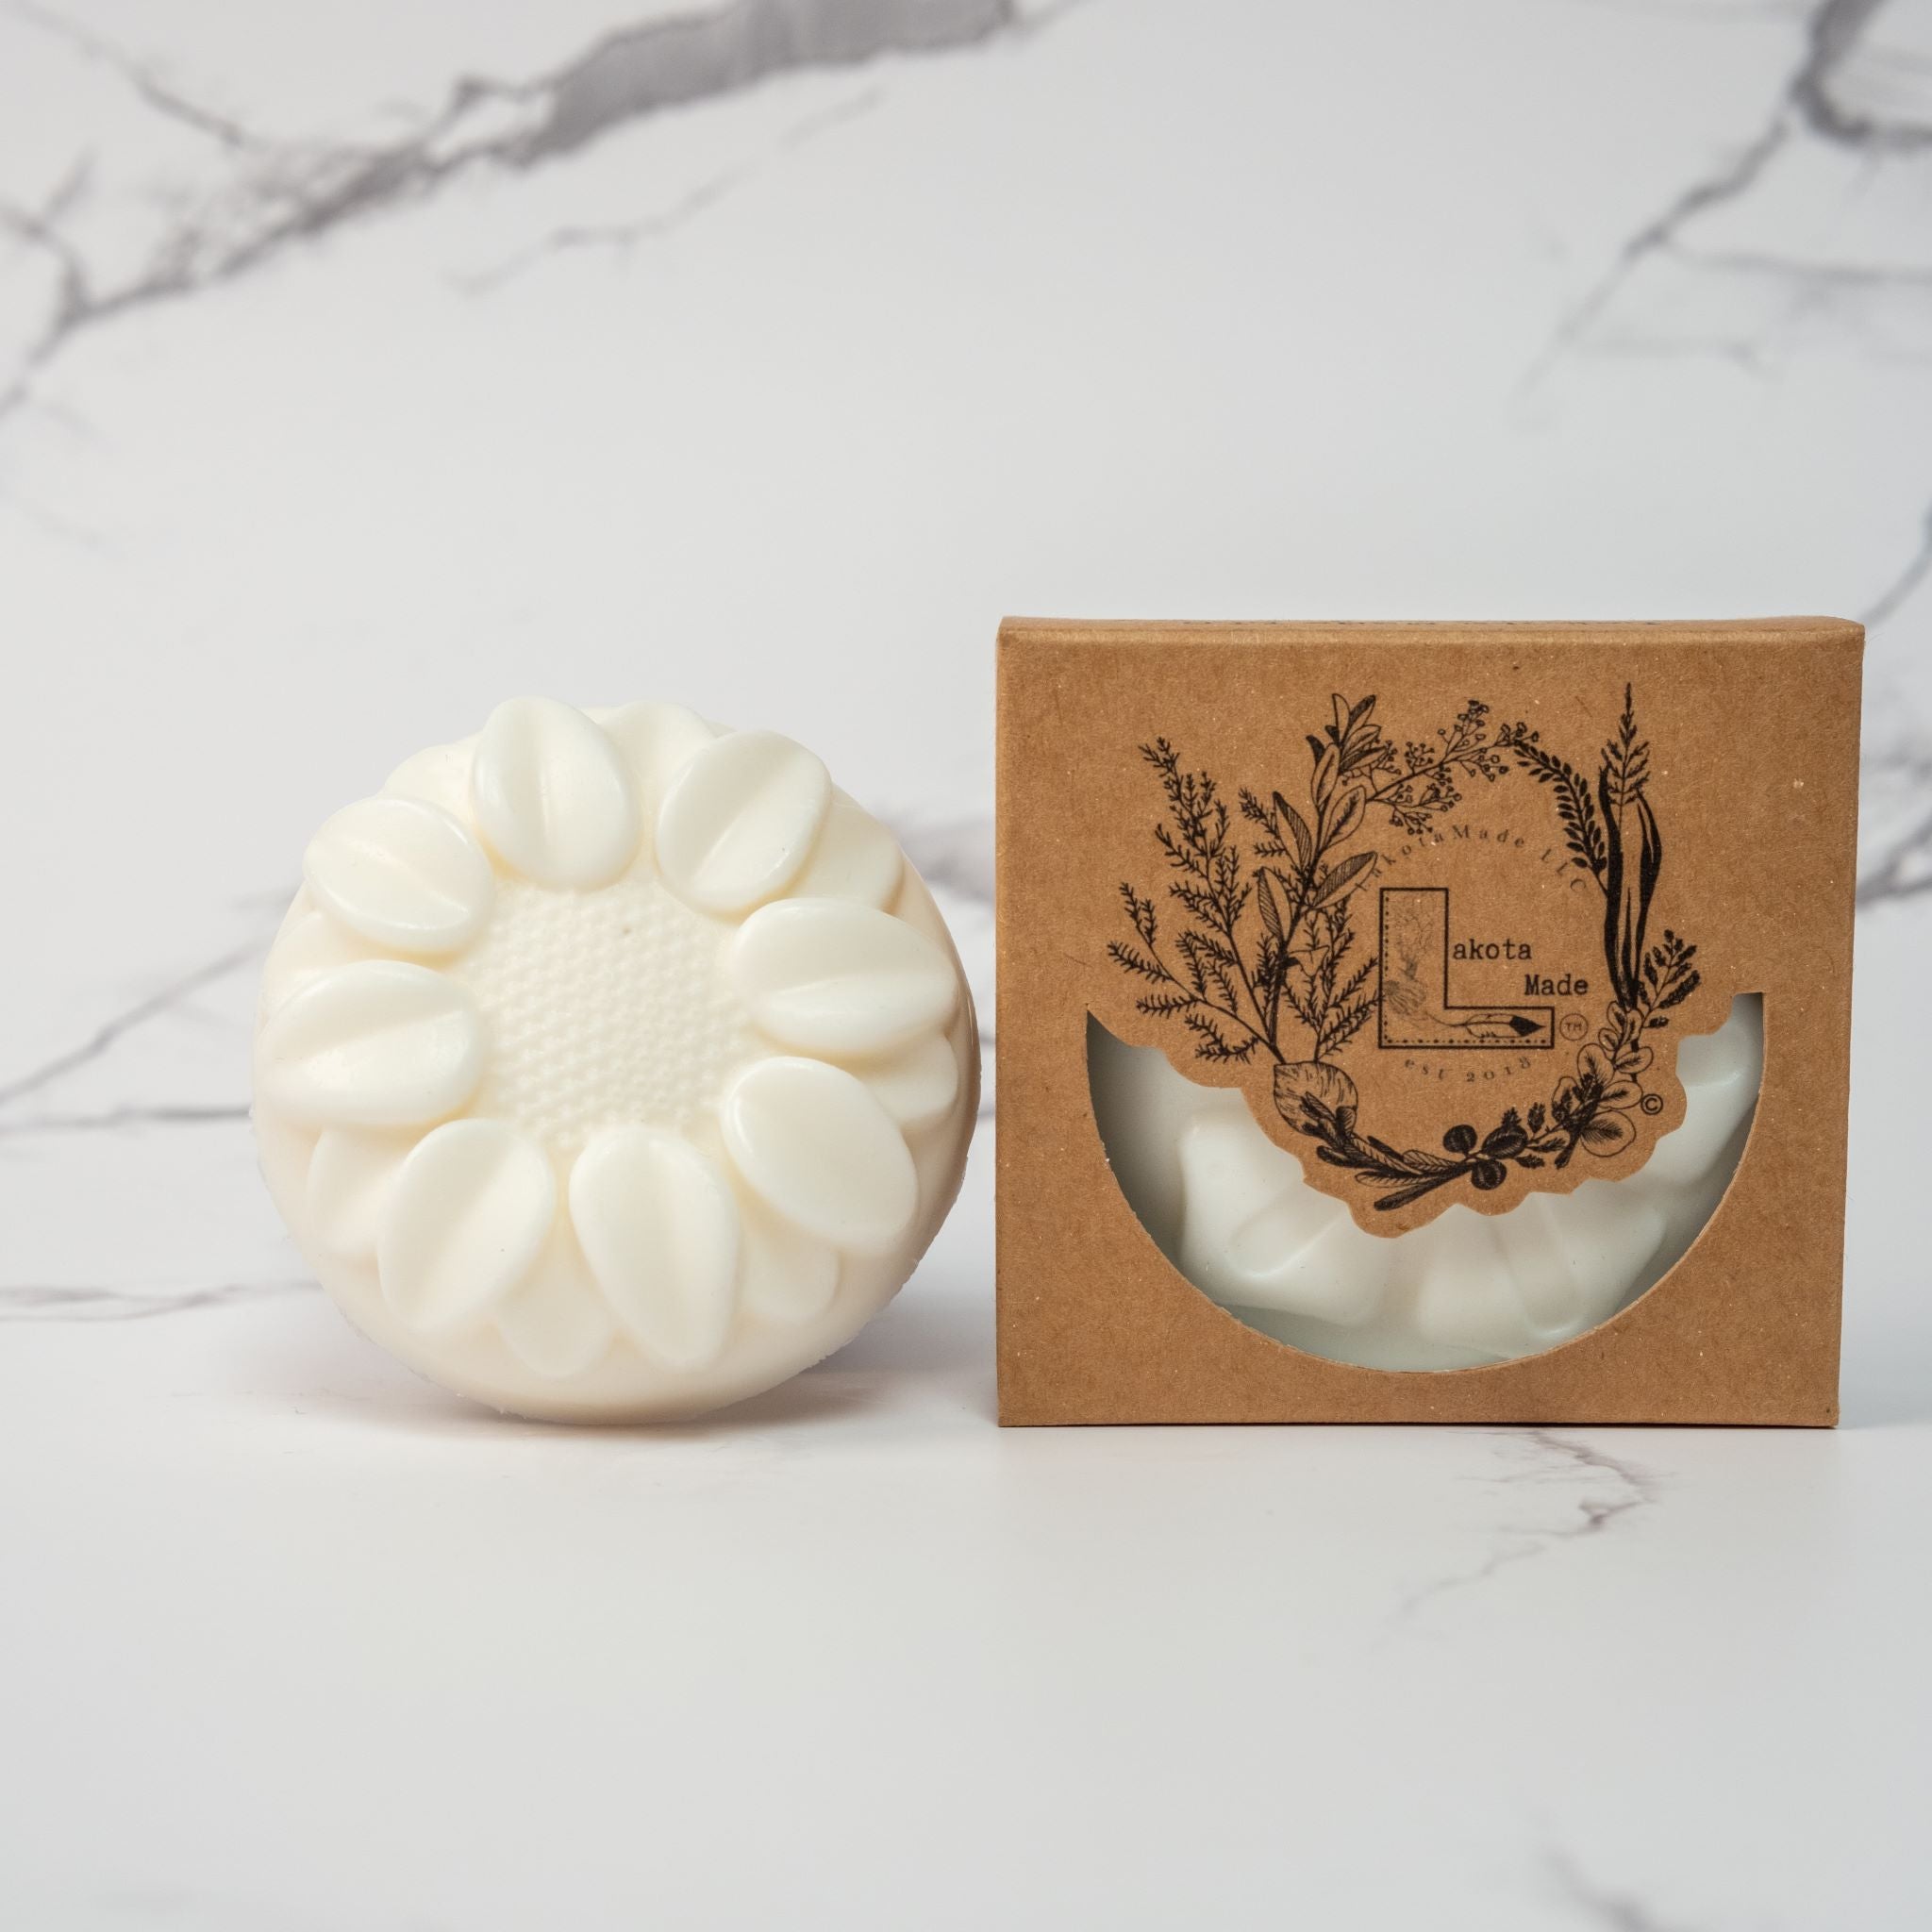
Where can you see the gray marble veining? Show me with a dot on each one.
(355, 368)
(269, 194)
(1538, 1460)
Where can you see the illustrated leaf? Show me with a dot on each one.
(1607, 1134)
(1271, 913)
(1297, 827)
(1131, 960)
(1164, 1003)
(1583, 830)
(1626, 758)
(1348, 815)
(1343, 878)
(1403, 1196)
(1680, 993)
(1327, 770)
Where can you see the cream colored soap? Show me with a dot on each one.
(610, 1066)
(1229, 1208)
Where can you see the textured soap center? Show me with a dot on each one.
(601, 1009)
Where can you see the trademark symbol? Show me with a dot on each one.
(1573, 1026)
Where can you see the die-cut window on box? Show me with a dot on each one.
(1230, 1209)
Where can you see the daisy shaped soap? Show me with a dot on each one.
(610, 1066)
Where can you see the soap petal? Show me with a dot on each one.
(740, 821)
(1343, 1275)
(656, 741)
(439, 776)
(309, 944)
(1250, 1222)
(828, 977)
(402, 873)
(556, 1324)
(917, 1085)
(464, 1223)
(552, 794)
(785, 1276)
(350, 1176)
(379, 1043)
(1735, 1053)
(856, 857)
(1692, 1150)
(815, 1145)
(1467, 1296)
(1575, 1258)
(1721, 1073)
(659, 1227)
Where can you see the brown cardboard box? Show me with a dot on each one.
(1554, 823)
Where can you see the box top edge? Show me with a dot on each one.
(1058, 630)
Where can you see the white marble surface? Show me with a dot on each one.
(359, 364)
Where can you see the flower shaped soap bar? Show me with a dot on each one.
(610, 1066)
(1229, 1208)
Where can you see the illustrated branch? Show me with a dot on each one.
(1268, 947)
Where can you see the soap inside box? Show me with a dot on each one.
(1344, 971)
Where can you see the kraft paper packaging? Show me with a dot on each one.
(1440, 902)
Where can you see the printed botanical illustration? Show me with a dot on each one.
(1261, 950)
(1266, 958)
